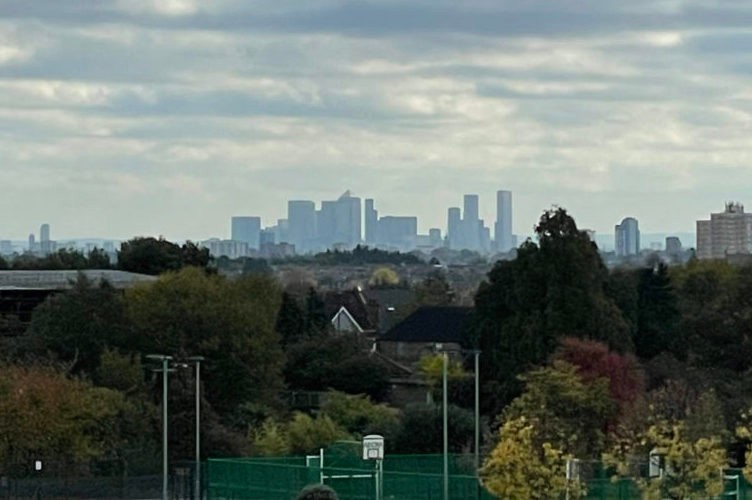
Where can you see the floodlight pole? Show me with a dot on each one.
(165, 367)
(197, 471)
(446, 430)
(477, 419)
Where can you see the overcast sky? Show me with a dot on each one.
(148, 117)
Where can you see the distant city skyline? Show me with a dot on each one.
(489, 214)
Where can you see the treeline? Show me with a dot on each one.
(63, 259)
(360, 255)
(145, 255)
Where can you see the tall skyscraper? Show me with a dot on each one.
(454, 228)
(45, 245)
(246, 229)
(347, 225)
(627, 238)
(503, 229)
(301, 217)
(325, 224)
(471, 231)
(726, 233)
(371, 222)
(470, 211)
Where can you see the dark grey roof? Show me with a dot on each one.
(433, 324)
(62, 280)
(391, 302)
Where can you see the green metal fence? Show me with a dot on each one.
(736, 487)
(406, 477)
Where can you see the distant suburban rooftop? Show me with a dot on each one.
(433, 324)
(62, 280)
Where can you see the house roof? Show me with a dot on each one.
(433, 324)
(343, 310)
(356, 305)
(391, 302)
(63, 280)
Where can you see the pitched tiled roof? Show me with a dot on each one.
(433, 324)
(356, 305)
(391, 304)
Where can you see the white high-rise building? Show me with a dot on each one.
(726, 233)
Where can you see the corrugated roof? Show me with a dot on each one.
(62, 280)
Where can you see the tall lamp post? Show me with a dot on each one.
(197, 360)
(445, 366)
(476, 353)
(165, 360)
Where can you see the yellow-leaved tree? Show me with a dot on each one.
(519, 469)
(558, 417)
(691, 468)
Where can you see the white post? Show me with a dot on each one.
(446, 429)
(321, 465)
(197, 472)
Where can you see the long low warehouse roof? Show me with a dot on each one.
(62, 280)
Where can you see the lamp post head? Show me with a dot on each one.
(158, 357)
(195, 359)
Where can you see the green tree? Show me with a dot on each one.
(77, 325)
(229, 322)
(339, 363)
(658, 317)
(715, 303)
(421, 429)
(193, 255)
(64, 259)
(98, 259)
(292, 324)
(148, 255)
(307, 435)
(3, 263)
(271, 439)
(359, 415)
(553, 289)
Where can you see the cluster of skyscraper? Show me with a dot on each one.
(337, 224)
(466, 230)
